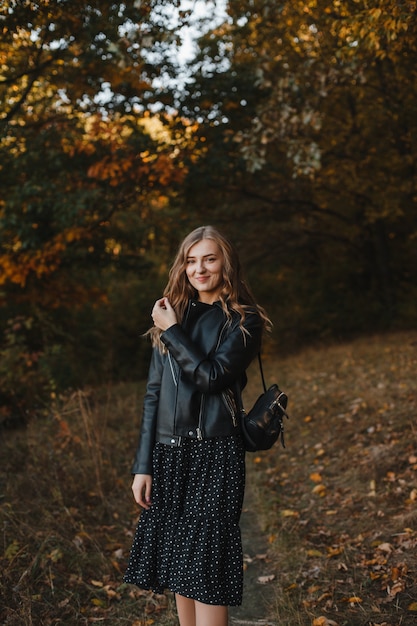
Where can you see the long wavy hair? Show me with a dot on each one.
(235, 295)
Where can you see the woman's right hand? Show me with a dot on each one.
(163, 315)
(142, 487)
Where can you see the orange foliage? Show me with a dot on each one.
(112, 170)
(17, 266)
(158, 168)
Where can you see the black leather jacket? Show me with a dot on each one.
(189, 391)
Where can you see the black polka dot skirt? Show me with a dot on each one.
(189, 540)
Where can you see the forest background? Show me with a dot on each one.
(291, 126)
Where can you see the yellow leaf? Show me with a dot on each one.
(55, 555)
(413, 496)
(323, 621)
(315, 477)
(12, 550)
(355, 600)
(334, 551)
(289, 513)
(412, 607)
(320, 490)
(314, 553)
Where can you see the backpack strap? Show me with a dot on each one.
(261, 369)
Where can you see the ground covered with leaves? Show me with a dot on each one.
(338, 506)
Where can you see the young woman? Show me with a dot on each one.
(189, 469)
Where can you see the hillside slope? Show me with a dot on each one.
(339, 504)
(337, 507)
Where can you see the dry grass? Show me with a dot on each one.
(67, 517)
(338, 506)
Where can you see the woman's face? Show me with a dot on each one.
(204, 269)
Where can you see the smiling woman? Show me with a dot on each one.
(189, 469)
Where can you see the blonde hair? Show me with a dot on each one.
(235, 294)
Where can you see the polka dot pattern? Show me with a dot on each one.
(189, 540)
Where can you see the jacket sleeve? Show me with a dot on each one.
(215, 372)
(143, 457)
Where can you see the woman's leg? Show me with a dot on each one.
(194, 613)
(210, 614)
(185, 610)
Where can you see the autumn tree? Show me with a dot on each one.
(89, 173)
(325, 125)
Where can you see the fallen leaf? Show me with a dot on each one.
(323, 621)
(118, 554)
(314, 552)
(396, 589)
(266, 579)
(316, 477)
(334, 551)
(320, 490)
(385, 547)
(292, 586)
(413, 495)
(355, 600)
(289, 513)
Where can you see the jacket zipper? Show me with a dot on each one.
(230, 405)
(225, 394)
(171, 365)
(221, 335)
(200, 420)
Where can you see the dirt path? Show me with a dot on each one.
(257, 597)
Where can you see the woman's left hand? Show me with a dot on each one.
(163, 314)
